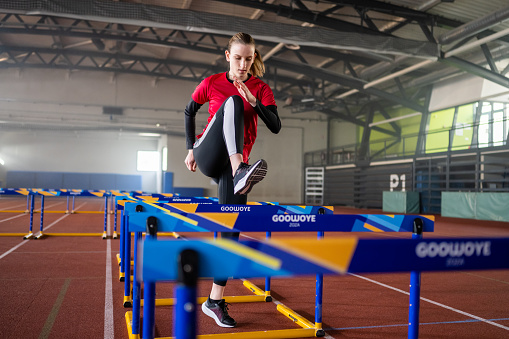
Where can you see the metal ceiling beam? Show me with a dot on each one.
(15, 24)
(305, 15)
(381, 7)
(337, 78)
(358, 122)
(476, 70)
(170, 42)
(112, 62)
(351, 38)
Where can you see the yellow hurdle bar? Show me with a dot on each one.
(253, 288)
(293, 333)
(12, 234)
(13, 211)
(129, 322)
(295, 317)
(72, 234)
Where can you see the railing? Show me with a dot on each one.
(406, 146)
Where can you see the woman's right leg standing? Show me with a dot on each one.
(218, 153)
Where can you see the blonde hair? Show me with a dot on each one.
(257, 68)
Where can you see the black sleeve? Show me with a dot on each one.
(269, 116)
(190, 120)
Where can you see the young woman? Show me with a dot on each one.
(236, 99)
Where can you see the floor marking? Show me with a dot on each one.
(482, 277)
(14, 248)
(25, 241)
(405, 325)
(10, 207)
(61, 252)
(434, 302)
(52, 224)
(14, 217)
(46, 330)
(109, 331)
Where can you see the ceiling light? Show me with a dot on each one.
(2, 162)
(149, 134)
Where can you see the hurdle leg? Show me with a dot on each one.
(28, 203)
(184, 325)
(267, 279)
(32, 201)
(67, 209)
(121, 249)
(149, 290)
(115, 208)
(136, 290)
(105, 234)
(40, 235)
(126, 262)
(319, 332)
(415, 290)
(72, 211)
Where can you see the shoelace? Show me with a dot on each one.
(225, 309)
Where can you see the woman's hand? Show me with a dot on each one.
(244, 91)
(190, 162)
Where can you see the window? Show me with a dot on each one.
(493, 124)
(164, 164)
(148, 161)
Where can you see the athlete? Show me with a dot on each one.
(236, 99)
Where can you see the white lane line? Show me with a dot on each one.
(433, 302)
(14, 248)
(11, 207)
(45, 228)
(14, 217)
(109, 331)
(25, 241)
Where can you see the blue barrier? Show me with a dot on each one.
(267, 219)
(162, 260)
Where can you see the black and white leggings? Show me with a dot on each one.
(223, 137)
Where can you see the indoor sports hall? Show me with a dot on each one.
(357, 149)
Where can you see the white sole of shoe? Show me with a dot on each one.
(211, 314)
(254, 176)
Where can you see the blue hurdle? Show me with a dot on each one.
(184, 262)
(137, 215)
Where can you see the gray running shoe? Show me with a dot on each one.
(218, 312)
(248, 175)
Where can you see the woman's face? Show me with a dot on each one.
(240, 57)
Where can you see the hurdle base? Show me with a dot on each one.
(129, 323)
(39, 236)
(319, 333)
(105, 235)
(71, 234)
(12, 234)
(295, 317)
(29, 236)
(115, 236)
(257, 291)
(128, 301)
(118, 259)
